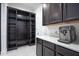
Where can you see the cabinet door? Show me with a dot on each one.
(38, 49)
(55, 13)
(46, 9)
(48, 44)
(47, 52)
(65, 51)
(57, 54)
(70, 11)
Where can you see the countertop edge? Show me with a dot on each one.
(61, 44)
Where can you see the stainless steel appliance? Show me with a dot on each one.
(67, 34)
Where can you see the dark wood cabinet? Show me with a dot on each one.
(20, 28)
(45, 48)
(47, 51)
(57, 54)
(48, 48)
(70, 11)
(32, 30)
(52, 13)
(39, 47)
(66, 52)
(60, 12)
(23, 27)
(55, 13)
(11, 29)
(46, 14)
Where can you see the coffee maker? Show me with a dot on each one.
(67, 34)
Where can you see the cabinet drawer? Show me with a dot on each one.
(39, 41)
(48, 44)
(65, 51)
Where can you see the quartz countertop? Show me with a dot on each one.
(54, 40)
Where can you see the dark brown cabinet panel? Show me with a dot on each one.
(57, 54)
(52, 13)
(60, 12)
(23, 32)
(48, 44)
(55, 13)
(46, 14)
(11, 30)
(45, 48)
(20, 28)
(39, 41)
(39, 47)
(47, 51)
(70, 11)
(65, 51)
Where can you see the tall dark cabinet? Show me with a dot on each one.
(11, 29)
(21, 28)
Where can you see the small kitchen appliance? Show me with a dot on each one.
(67, 34)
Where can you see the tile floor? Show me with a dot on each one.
(23, 51)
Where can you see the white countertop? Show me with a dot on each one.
(71, 46)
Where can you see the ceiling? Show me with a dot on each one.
(32, 5)
(29, 6)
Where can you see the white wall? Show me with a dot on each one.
(39, 28)
(3, 29)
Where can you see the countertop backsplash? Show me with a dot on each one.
(54, 33)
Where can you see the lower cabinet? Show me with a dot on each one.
(39, 49)
(66, 52)
(57, 54)
(45, 48)
(47, 52)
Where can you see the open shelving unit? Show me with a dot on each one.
(11, 24)
(32, 38)
(20, 28)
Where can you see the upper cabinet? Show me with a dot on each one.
(70, 11)
(59, 12)
(55, 13)
(52, 13)
(46, 12)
